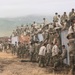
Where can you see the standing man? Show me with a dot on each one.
(36, 50)
(42, 53)
(64, 52)
(64, 55)
(1, 47)
(18, 50)
(15, 48)
(55, 54)
(31, 51)
(49, 52)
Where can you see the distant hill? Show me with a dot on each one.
(8, 24)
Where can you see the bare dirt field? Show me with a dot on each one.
(11, 65)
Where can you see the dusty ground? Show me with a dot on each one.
(10, 65)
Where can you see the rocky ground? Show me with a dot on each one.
(11, 65)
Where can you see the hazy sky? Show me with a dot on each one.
(16, 8)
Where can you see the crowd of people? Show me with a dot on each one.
(45, 46)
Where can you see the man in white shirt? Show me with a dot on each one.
(42, 53)
(55, 50)
(55, 55)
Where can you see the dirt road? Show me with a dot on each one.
(6, 55)
(10, 65)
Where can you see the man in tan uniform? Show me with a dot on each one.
(64, 17)
(71, 14)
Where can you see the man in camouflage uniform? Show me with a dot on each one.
(31, 51)
(19, 49)
(64, 52)
(48, 53)
(14, 48)
(36, 51)
(22, 50)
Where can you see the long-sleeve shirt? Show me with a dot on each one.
(64, 18)
(71, 14)
(55, 18)
(55, 50)
(42, 51)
